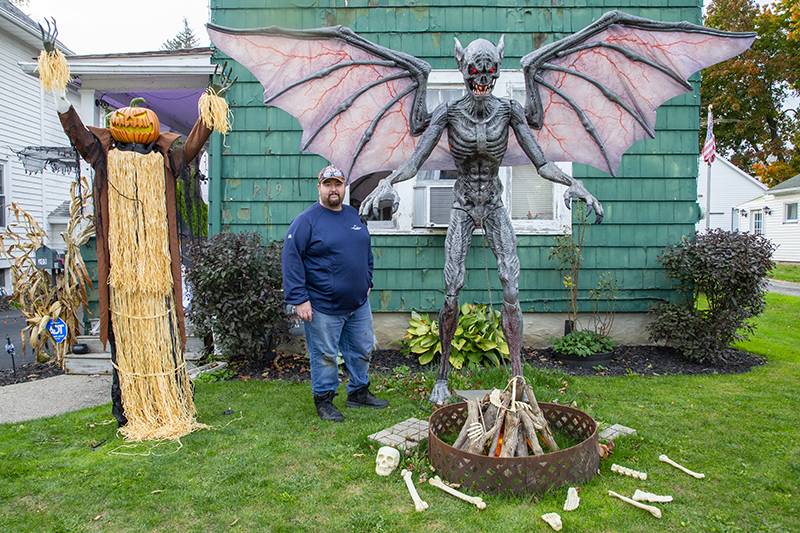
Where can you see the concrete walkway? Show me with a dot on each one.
(52, 396)
(784, 287)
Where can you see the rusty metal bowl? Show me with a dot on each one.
(516, 475)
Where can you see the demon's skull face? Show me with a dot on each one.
(479, 63)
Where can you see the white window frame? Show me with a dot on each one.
(757, 213)
(786, 219)
(403, 221)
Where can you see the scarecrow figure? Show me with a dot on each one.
(138, 254)
(589, 97)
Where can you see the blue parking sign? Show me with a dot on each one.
(58, 329)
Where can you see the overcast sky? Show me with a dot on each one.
(105, 26)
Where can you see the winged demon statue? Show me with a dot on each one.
(589, 96)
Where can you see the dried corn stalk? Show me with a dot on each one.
(34, 293)
(73, 283)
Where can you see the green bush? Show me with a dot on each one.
(478, 339)
(236, 293)
(583, 344)
(725, 275)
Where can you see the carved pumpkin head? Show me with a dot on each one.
(134, 124)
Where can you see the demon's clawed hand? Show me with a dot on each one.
(382, 196)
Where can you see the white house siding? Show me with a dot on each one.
(786, 236)
(29, 118)
(730, 186)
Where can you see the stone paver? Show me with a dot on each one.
(52, 396)
(617, 430)
(404, 435)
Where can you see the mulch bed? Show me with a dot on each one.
(647, 361)
(29, 372)
(640, 360)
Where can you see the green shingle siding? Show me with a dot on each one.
(651, 204)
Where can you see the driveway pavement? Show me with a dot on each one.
(11, 323)
(784, 287)
(52, 396)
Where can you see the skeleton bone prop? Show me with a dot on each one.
(630, 472)
(553, 520)
(655, 511)
(664, 459)
(477, 501)
(573, 500)
(419, 504)
(642, 496)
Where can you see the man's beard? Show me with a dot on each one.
(336, 201)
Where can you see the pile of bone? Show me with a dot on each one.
(502, 424)
(389, 458)
(637, 499)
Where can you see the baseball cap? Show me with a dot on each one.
(331, 172)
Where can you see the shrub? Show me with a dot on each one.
(478, 338)
(236, 291)
(583, 343)
(725, 274)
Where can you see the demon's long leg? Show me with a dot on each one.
(501, 238)
(456, 246)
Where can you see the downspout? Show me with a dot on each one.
(215, 185)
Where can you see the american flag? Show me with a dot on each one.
(710, 146)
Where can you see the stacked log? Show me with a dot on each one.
(506, 423)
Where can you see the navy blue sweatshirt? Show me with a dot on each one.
(327, 259)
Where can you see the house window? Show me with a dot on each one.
(790, 213)
(757, 224)
(426, 200)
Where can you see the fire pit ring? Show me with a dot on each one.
(516, 475)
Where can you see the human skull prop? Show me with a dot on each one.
(387, 460)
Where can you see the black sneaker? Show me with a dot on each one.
(325, 408)
(362, 398)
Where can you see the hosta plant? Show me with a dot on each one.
(478, 339)
(583, 344)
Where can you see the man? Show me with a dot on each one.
(327, 276)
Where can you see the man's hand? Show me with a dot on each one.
(50, 35)
(221, 81)
(577, 190)
(383, 194)
(303, 311)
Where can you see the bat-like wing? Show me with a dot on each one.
(591, 95)
(361, 106)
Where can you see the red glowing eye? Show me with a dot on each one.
(473, 70)
(491, 70)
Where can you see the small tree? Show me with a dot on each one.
(567, 250)
(725, 273)
(183, 39)
(236, 293)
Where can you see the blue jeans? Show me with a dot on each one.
(327, 335)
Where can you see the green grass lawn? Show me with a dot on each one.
(273, 466)
(786, 272)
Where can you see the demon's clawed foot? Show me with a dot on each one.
(440, 393)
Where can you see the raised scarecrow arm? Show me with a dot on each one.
(213, 113)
